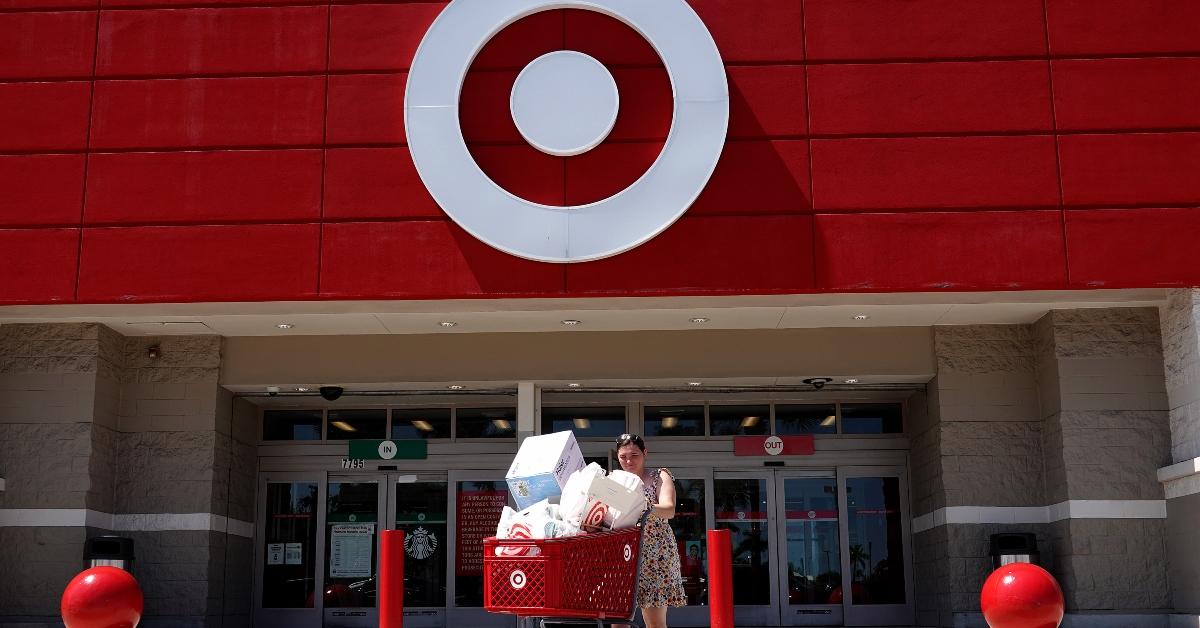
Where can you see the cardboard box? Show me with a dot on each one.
(542, 467)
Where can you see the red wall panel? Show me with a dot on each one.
(1118, 27)
(47, 45)
(415, 259)
(764, 31)
(1133, 247)
(371, 183)
(378, 36)
(896, 98)
(43, 116)
(39, 265)
(1143, 169)
(188, 187)
(767, 102)
(212, 112)
(758, 178)
(923, 29)
(212, 41)
(735, 254)
(609, 41)
(1151, 93)
(941, 251)
(924, 173)
(25, 5)
(523, 41)
(366, 109)
(209, 263)
(40, 190)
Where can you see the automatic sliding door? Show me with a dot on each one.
(742, 505)
(812, 552)
(478, 497)
(419, 508)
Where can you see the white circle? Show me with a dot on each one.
(564, 103)
(580, 233)
(517, 579)
(387, 450)
(628, 552)
(773, 445)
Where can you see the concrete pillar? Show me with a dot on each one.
(59, 391)
(1100, 373)
(976, 452)
(529, 410)
(100, 435)
(1181, 479)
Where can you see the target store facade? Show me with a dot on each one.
(877, 279)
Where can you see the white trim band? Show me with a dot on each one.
(1072, 509)
(1181, 479)
(157, 522)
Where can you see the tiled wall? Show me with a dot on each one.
(199, 150)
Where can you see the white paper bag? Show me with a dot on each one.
(574, 495)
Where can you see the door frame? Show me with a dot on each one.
(694, 615)
(804, 614)
(420, 616)
(292, 617)
(455, 616)
(876, 614)
(759, 615)
(356, 616)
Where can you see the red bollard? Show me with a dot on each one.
(391, 579)
(1021, 595)
(102, 597)
(720, 579)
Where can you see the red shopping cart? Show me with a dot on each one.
(590, 579)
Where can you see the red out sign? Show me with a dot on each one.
(773, 445)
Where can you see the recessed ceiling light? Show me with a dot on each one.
(572, 385)
(861, 317)
(285, 325)
(582, 423)
(670, 421)
(699, 320)
(852, 381)
(424, 426)
(695, 383)
(502, 424)
(570, 322)
(828, 421)
(455, 387)
(447, 323)
(749, 421)
(344, 426)
(301, 389)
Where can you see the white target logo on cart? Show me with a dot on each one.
(517, 579)
(628, 552)
(565, 103)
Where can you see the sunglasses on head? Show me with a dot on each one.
(625, 439)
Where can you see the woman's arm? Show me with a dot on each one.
(665, 508)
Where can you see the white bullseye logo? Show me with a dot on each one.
(517, 579)
(565, 103)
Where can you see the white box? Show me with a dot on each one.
(542, 467)
(617, 500)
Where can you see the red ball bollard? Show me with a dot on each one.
(1022, 595)
(102, 597)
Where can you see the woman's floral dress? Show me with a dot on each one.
(660, 583)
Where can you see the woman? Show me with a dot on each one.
(660, 584)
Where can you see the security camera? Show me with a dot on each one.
(331, 393)
(272, 390)
(818, 382)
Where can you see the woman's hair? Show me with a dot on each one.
(626, 439)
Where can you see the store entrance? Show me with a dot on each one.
(319, 547)
(817, 547)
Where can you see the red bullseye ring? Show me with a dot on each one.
(632, 146)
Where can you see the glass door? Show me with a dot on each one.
(353, 505)
(742, 503)
(876, 557)
(810, 551)
(693, 494)
(290, 533)
(477, 499)
(418, 506)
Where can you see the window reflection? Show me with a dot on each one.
(673, 421)
(876, 540)
(486, 422)
(739, 420)
(290, 542)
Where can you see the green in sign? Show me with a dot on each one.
(389, 449)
